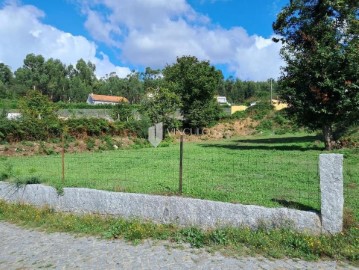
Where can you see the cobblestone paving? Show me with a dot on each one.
(30, 249)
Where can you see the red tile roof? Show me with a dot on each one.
(104, 98)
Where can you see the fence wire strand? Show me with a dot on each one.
(241, 177)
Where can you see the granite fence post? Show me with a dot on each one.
(331, 189)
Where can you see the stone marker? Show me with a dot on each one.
(331, 187)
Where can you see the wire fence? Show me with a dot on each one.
(255, 180)
(248, 177)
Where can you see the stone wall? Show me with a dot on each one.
(162, 209)
(193, 212)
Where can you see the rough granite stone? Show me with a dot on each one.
(331, 186)
(162, 209)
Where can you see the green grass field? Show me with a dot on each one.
(268, 171)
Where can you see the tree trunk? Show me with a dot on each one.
(328, 137)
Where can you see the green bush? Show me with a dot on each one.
(138, 128)
(90, 143)
(93, 127)
(38, 129)
(82, 105)
(108, 142)
(259, 111)
(279, 118)
(194, 236)
(139, 143)
(266, 124)
(28, 129)
(46, 150)
(8, 104)
(33, 129)
(239, 115)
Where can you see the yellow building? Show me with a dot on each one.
(279, 105)
(239, 108)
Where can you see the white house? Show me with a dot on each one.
(102, 99)
(222, 100)
(13, 116)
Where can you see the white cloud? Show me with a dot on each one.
(106, 67)
(23, 32)
(154, 32)
(144, 33)
(101, 31)
(260, 61)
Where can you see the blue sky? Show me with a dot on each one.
(124, 35)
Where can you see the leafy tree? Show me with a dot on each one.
(39, 119)
(109, 85)
(123, 111)
(80, 80)
(32, 74)
(196, 83)
(56, 86)
(6, 75)
(161, 105)
(321, 79)
(78, 90)
(134, 88)
(86, 72)
(152, 78)
(37, 106)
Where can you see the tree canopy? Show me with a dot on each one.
(37, 106)
(161, 105)
(196, 83)
(73, 83)
(320, 81)
(6, 79)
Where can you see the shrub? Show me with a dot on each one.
(108, 142)
(194, 236)
(90, 143)
(259, 111)
(9, 103)
(140, 143)
(31, 129)
(139, 128)
(43, 149)
(266, 124)
(239, 115)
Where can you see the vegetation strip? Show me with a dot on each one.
(236, 241)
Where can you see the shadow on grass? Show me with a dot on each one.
(282, 144)
(300, 139)
(295, 205)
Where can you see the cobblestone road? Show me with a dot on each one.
(30, 249)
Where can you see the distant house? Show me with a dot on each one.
(279, 105)
(239, 108)
(102, 99)
(13, 116)
(222, 100)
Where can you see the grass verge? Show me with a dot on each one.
(274, 243)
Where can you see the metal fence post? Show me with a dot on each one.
(63, 134)
(181, 166)
(63, 159)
